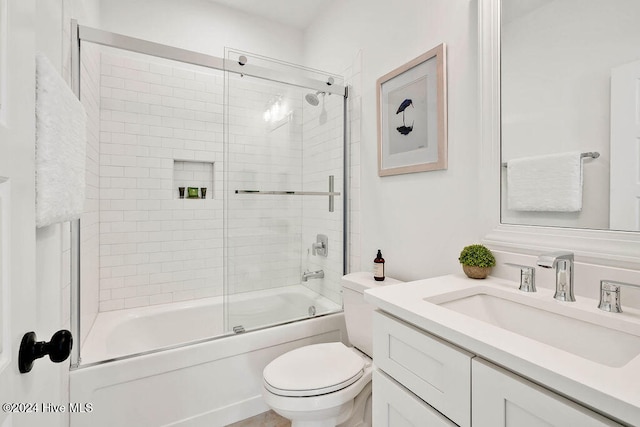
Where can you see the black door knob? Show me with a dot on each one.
(58, 349)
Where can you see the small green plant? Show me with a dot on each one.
(477, 256)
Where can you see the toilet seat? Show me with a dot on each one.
(313, 370)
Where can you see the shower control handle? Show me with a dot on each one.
(58, 349)
(321, 247)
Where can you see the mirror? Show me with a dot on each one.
(570, 83)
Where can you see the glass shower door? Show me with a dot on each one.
(284, 200)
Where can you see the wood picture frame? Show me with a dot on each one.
(412, 115)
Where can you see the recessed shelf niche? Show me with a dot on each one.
(191, 173)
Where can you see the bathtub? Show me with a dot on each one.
(164, 368)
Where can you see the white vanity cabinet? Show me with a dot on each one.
(422, 379)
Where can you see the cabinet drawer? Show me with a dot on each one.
(394, 406)
(436, 371)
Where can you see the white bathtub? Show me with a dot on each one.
(137, 330)
(209, 382)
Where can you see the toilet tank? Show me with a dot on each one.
(358, 314)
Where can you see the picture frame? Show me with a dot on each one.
(412, 115)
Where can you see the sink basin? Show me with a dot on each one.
(590, 335)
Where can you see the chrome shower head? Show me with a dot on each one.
(312, 99)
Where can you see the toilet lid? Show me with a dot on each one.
(313, 370)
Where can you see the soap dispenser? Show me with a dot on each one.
(378, 267)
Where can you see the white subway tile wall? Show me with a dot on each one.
(90, 226)
(161, 128)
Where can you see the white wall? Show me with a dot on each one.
(420, 221)
(201, 26)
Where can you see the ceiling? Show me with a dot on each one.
(295, 13)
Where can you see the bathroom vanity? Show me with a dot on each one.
(457, 351)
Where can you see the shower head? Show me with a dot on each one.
(312, 98)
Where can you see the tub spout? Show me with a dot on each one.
(318, 274)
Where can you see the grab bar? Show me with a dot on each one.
(591, 154)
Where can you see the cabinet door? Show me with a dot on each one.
(395, 406)
(501, 398)
(436, 371)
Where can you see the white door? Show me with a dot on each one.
(21, 395)
(625, 147)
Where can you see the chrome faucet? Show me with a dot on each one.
(563, 263)
(318, 274)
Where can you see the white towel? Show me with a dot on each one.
(551, 183)
(60, 148)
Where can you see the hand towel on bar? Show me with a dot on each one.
(550, 183)
(60, 148)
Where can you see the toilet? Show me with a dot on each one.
(329, 384)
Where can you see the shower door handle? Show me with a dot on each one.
(331, 193)
(331, 203)
(58, 349)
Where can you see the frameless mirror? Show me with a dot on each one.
(570, 83)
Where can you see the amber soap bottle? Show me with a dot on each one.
(378, 267)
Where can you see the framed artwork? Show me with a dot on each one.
(412, 116)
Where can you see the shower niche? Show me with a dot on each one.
(192, 174)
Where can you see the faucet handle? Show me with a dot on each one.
(317, 248)
(321, 245)
(610, 295)
(527, 277)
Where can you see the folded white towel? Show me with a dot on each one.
(60, 148)
(551, 183)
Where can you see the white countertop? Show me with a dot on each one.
(613, 391)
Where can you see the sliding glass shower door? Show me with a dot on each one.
(284, 213)
(214, 201)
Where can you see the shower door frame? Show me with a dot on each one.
(80, 33)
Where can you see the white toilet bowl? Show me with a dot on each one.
(320, 385)
(328, 385)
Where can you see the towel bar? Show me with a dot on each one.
(591, 154)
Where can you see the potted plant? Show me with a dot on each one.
(476, 261)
